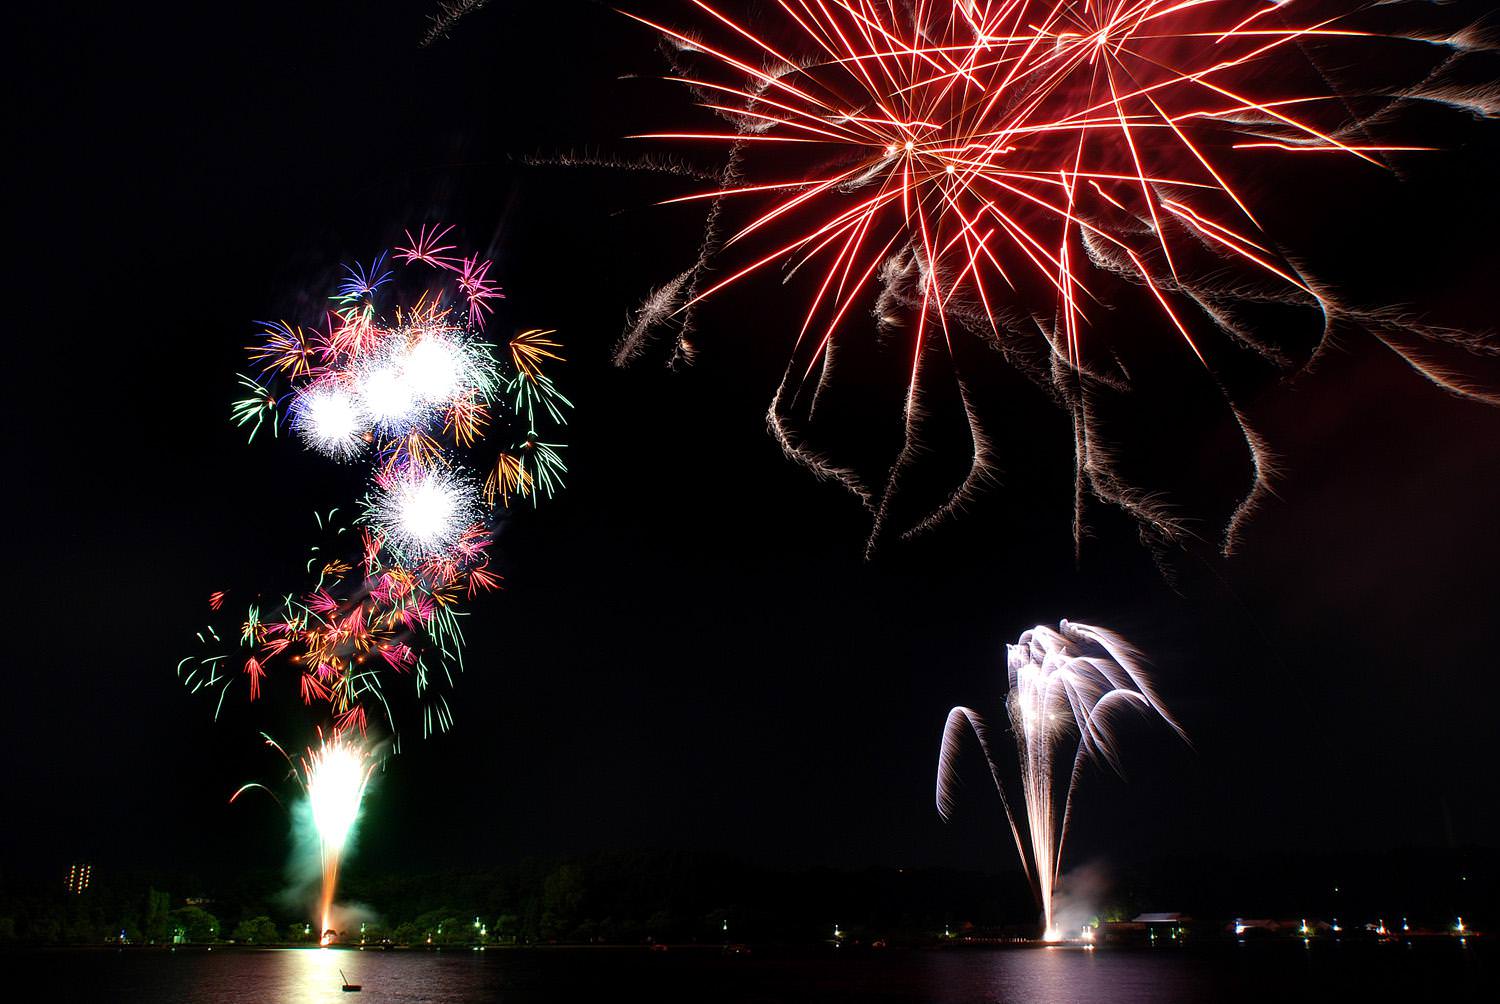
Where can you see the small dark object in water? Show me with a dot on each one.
(349, 988)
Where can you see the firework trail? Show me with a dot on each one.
(1065, 686)
(446, 18)
(333, 776)
(399, 377)
(1017, 171)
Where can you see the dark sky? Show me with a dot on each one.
(692, 651)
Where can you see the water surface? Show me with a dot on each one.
(1276, 973)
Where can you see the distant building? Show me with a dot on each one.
(1166, 919)
(1147, 928)
(78, 878)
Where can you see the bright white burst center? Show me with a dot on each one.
(388, 396)
(427, 510)
(331, 421)
(335, 786)
(424, 512)
(433, 370)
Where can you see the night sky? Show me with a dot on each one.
(692, 650)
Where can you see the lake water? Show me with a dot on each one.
(1277, 973)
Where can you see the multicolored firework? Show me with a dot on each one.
(418, 392)
(1065, 685)
(1017, 171)
(333, 776)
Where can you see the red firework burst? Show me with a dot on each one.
(1001, 166)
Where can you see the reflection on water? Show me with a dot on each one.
(271, 976)
(318, 975)
(1021, 975)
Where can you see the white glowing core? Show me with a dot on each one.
(387, 395)
(331, 421)
(434, 370)
(335, 785)
(427, 510)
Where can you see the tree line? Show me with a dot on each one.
(636, 897)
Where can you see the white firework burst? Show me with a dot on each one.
(423, 512)
(331, 420)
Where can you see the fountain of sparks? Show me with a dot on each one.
(335, 775)
(1065, 686)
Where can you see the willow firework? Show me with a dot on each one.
(1017, 170)
(400, 376)
(1066, 684)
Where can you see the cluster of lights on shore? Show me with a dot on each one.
(1308, 931)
